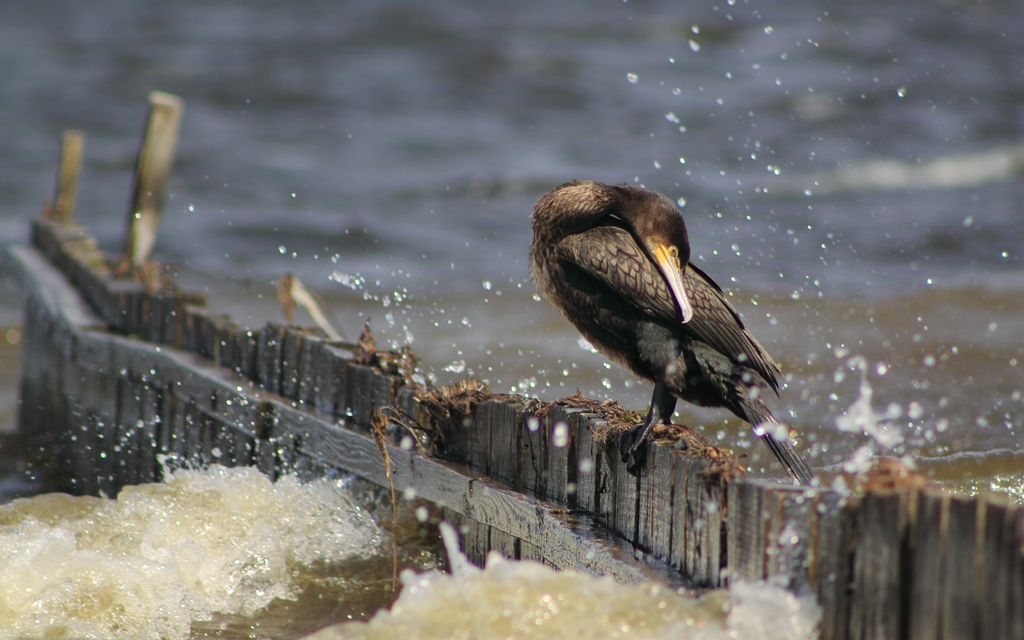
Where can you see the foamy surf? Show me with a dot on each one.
(164, 556)
(526, 599)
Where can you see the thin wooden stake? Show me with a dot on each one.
(63, 206)
(152, 172)
(290, 291)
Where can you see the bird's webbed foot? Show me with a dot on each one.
(633, 442)
(633, 448)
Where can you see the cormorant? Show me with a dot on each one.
(615, 260)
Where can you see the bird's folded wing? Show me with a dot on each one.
(717, 323)
(610, 255)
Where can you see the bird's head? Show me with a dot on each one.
(651, 218)
(658, 228)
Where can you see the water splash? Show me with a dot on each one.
(861, 417)
(524, 599)
(166, 555)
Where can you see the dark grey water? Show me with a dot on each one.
(850, 172)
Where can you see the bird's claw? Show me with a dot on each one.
(632, 448)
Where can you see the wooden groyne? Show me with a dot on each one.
(119, 367)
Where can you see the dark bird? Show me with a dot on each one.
(615, 260)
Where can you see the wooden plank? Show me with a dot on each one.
(476, 541)
(958, 606)
(527, 551)
(789, 537)
(478, 437)
(309, 347)
(478, 498)
(331, 364)
(747, 537)
(999, 589)
(503, 543)
(1014, 596)
(248, 366)
(573, 457)
(382, 391)
(834, 535)
(625, 496)
(290, 348)
(48, 289)
(878, 579)
(694, 550)
(656, 495)
(268, 357)
(265, 454)
(227, 343)
(500, 420)
(587, 487)
(927, 581)
(152, 173)
(147, 469)
(561, 453)
(123, 450)
(72, 143)
(533, 461)
(359, 395)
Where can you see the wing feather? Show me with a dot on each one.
(610, 255)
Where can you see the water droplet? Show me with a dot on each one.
(672, 117)
(560, 436)
(353, 282)
(769, 29)
(486, 284)
(681, 201)
(694, 46)
(901, 92)
(632, 77)
(456, 366)
(585, 345)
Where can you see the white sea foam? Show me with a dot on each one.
(530, 600)
(162, 556)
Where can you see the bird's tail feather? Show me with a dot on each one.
(783, 449)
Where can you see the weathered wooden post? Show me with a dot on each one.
(62, 208)
(152, 171)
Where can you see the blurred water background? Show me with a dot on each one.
(850, 173)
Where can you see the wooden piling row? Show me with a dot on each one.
(119, 370)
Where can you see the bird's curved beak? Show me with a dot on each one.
(667, 258)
